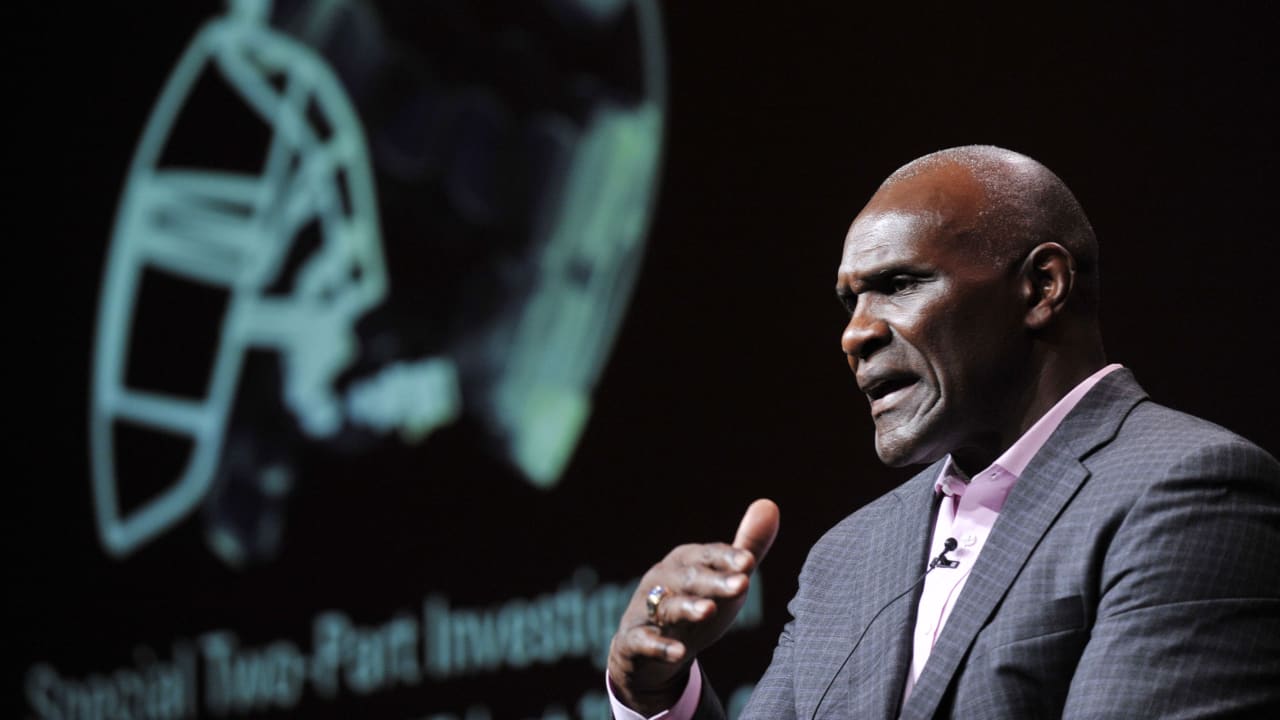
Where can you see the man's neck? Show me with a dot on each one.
(1043, 390)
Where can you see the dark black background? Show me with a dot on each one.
(726, 382)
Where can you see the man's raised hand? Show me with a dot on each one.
(703, 588)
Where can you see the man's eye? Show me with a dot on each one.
(901, 283)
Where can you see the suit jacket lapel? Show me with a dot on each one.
(877, 672)
(1050, 480)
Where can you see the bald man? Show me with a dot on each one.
(1072, 550)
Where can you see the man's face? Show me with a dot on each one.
(935, 333)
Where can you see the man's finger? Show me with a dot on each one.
(758, 528)
(648, 641)
(702, 582)
(719, 556)
(675, 609)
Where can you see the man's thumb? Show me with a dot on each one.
(758, 528)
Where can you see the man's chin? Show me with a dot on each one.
(898, 449)
(892, 455)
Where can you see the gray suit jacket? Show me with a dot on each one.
(1132, 573)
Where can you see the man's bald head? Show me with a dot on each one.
(971, 284)
(1004, 202)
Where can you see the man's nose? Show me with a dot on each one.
(865, 333)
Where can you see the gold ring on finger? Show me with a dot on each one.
(652, 601)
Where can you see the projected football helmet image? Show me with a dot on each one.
(347, 220)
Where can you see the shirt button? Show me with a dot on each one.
(969, 540)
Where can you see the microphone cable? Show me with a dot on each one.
(947, 546)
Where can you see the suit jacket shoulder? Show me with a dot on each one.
(1129, 575)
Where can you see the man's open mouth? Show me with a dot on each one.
(883, 393)
(884, 386)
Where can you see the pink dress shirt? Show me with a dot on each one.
(968, 514)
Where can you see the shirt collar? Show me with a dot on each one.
(952, 480)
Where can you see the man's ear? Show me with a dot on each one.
(1048, 277)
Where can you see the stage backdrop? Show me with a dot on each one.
(365, 353)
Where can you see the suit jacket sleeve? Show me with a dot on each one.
(851, 574)
(1188, 623)
(773, 695)
(771, 699)
(709, 707)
